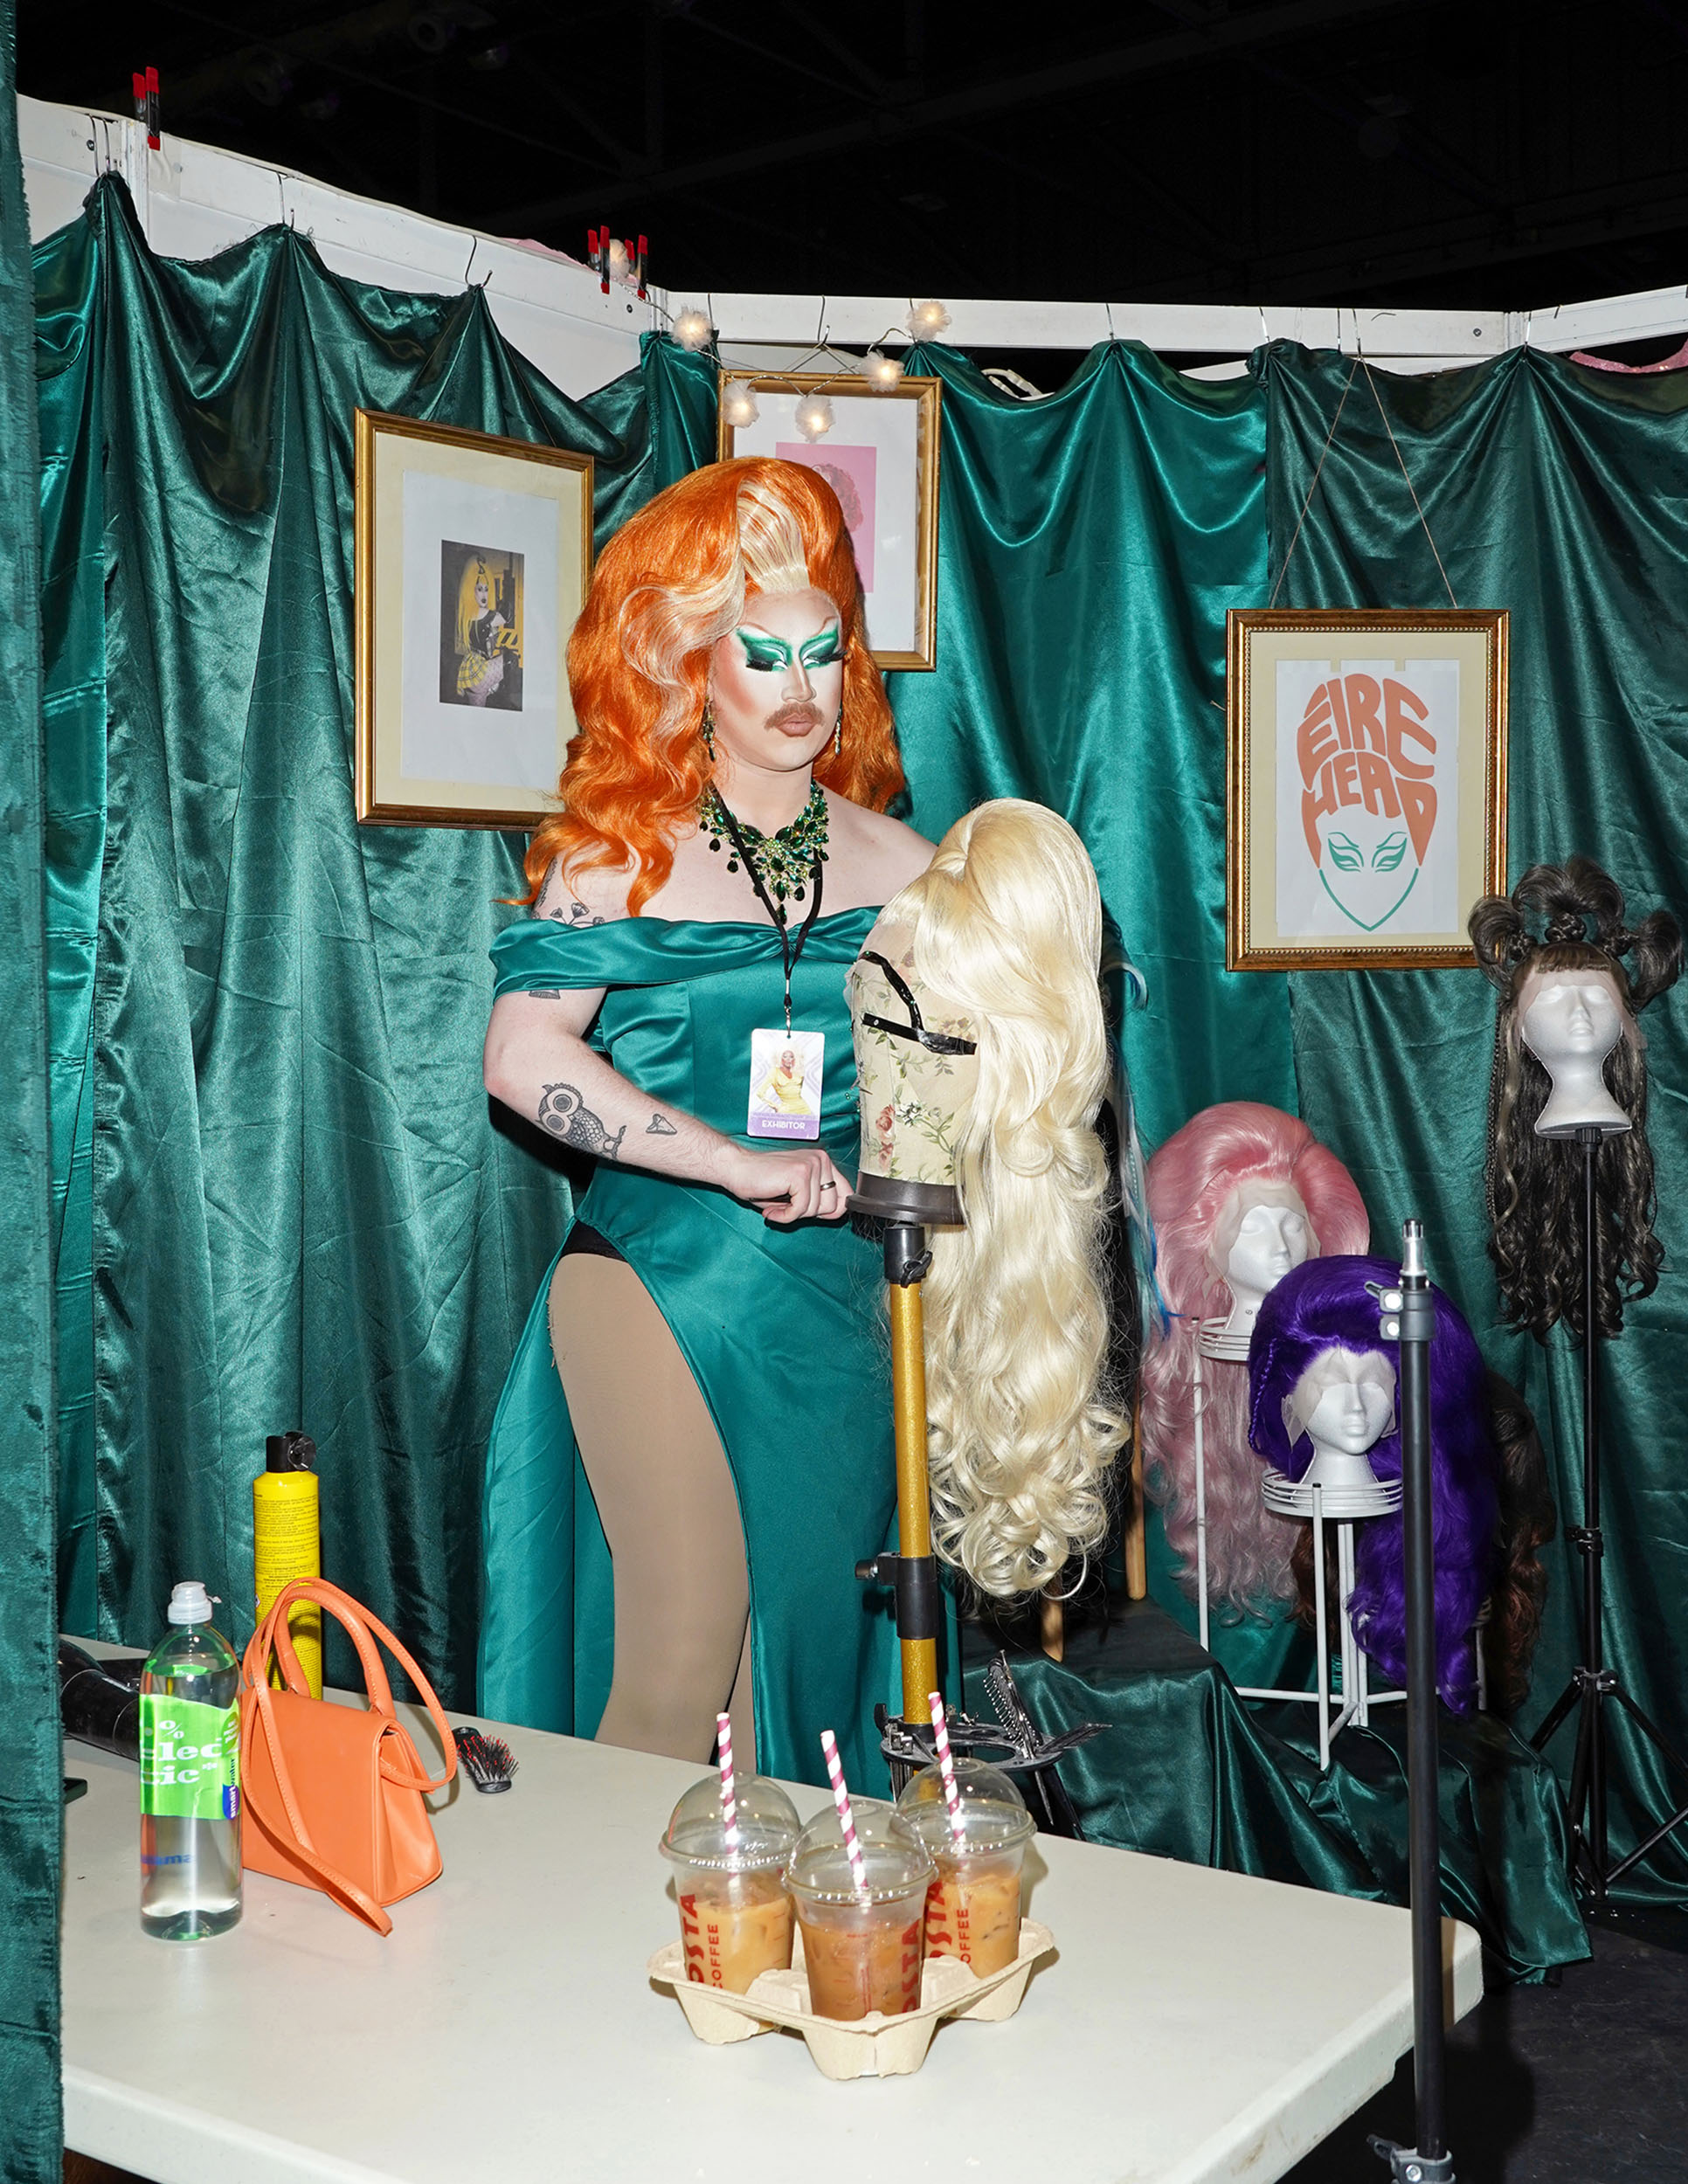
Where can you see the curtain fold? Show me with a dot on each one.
(1561, 493)
(305, 1212)
(31, 1782)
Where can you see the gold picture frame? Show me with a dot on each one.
(883, 451)
(473, 554)
(1366, 796)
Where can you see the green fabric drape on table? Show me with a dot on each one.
(31, 1791)
(1183, 1769)
(304, 1211)
(1560, 494)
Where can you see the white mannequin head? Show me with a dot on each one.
(1344, 1403)
(1264, 1231)
(1571, 1020)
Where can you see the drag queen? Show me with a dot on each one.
(694, 1446)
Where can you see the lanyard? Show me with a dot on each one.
(790, 954)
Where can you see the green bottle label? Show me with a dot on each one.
(190, 1758)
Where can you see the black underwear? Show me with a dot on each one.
(584, 1242)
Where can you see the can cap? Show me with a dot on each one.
(290, 1452)
(190, 1603)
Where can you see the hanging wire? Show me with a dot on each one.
(1313, 487)
(1417, 510)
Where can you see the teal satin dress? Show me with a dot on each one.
(783, 1330)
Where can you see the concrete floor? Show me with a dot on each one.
(1584, 2083)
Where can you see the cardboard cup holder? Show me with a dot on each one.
(875, 2046)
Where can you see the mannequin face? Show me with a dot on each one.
(1273, 1234)
(1570, 1017)
(776, 684)
(1345, 1401)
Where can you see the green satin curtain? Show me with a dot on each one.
(303, 1210)
(30, 1795)
(1561, 493)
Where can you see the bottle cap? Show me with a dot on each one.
(190, 1603)
(290, 1452)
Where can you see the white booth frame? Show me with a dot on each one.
(194, 200)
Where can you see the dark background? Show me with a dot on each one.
(1508, 154)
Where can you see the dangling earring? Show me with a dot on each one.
(706, 728)
(838, 733)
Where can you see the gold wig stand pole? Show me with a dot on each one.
(906, 1208)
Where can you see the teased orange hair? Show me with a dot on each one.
(669, 585)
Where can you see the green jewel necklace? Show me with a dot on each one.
(784, 863)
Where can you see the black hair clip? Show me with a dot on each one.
(935, 1042)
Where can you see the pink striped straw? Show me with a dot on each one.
(724, 1729)
(946, 1764)
(845, 1817)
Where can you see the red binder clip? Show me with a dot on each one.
(639, 258)
(145, 103)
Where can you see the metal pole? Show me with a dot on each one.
(1594, 1654)
(1417, 1326)
(917, 1610)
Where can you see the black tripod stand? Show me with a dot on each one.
(1593, 1684)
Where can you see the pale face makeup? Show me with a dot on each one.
(1273, 1234)
(1571, 1020)
(776, 686)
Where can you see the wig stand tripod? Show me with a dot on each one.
(1594, 1684)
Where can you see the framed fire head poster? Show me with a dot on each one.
(472, 559)
(879, 454)
(1367, 791)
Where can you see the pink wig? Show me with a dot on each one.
(1193, 1182)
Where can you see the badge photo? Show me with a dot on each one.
(786, 1068)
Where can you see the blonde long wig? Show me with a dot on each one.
(1023, 1425)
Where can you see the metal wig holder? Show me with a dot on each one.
(1592, 1682)
(1012, 1742)
(1407, 1315)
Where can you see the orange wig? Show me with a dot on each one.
(669, 585)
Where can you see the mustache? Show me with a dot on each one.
(800, 713)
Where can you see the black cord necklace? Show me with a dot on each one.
(790, 953)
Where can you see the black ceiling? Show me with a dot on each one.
(1507, 153)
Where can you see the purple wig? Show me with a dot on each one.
(1323, 1305)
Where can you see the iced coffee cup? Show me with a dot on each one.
(972, 1907)
(863, 1939)
(734, 1914)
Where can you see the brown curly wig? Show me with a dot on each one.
(1533, 1184)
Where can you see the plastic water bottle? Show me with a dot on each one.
(190, 1776)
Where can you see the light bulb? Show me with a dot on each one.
(881, 372)
(927, 320)
(692, 329)
(618, 261)
(814, 417)
(738, 405)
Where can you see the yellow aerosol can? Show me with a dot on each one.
(287, 1543)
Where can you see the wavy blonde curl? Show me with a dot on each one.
(1023, 1427)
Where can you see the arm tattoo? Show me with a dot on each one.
(577, 914)
(566, 1116)
(659, 1126)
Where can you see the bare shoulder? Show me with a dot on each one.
(594, 895)
(872, 852)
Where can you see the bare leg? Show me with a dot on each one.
(665, 1498)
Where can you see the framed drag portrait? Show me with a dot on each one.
(1366, 793)
(880, 456)
(473, 556)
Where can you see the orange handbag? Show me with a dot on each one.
(332, 1795)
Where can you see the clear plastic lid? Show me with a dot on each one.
(767, 1825)
(893, 1860)
(190, 1603)
(993, 1815)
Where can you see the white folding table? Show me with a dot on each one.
(1194, 2027)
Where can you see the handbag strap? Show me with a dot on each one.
(364, 1629)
